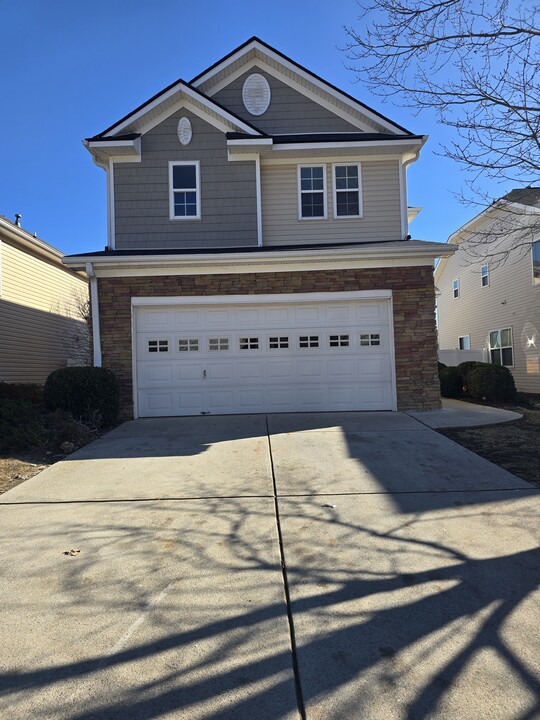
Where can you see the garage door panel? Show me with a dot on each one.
(264, 358)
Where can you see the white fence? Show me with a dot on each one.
(455, 357)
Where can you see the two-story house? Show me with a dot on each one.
(489, 290)
(258, 253)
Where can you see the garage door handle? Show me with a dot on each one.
(204, 374)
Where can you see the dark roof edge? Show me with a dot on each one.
(309, 72)
(104, 133)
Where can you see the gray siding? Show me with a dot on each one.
(289, 111)
(381, 219)
(511, 300)
(228, 194)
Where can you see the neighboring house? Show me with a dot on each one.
(39, 330)
(258, 253)
(489, 290)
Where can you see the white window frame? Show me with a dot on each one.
(335, 191)
(484, 275)
(501, 346)
(455, 289)
(463, 337)
(197, 164)
(324, 191)
(536, 243)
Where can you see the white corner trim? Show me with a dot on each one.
(274, 298)
(94, 299)
(111, 221)
(259, 200)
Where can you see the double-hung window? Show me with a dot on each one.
(184, 190)
(485, 275)
(536, 262)
(500, 347)
(347, 191)
(456, 289)
(311, 192)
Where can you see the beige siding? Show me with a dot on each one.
(35, 299)
(510, 301)
(381, 219)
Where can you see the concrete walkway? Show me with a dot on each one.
(456, 413)
(335, 566)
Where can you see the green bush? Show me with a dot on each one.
(28, 392)
(441, 366)
(450, 379)
(89, 394)
(491, 382)
(466, 367)
(19, 425)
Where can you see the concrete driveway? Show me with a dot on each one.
(328, 566)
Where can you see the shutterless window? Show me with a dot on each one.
(500, 347)
(184, 191)
(485, 275)
(536, 262)
(218, 344)
(188, 345)
(338, 340)
(155, 346)
(278, 342)
(456, 288)
(347, 191)
(308, 341)
(249, 343)
(312, 192)
(464, 342)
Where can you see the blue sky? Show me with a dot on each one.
(70, 68)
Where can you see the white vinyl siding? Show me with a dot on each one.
(381, 220)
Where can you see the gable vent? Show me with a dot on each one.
(256, 94)
(185, 133)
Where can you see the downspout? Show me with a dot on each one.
(403, 189)
(94, 304)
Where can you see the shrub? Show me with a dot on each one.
(491, 382)
(466, 367)
(441, 366)
(450, 379)
(88, 393)
(19, 425)
(28, 392)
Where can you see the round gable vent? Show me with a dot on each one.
(185, 133)
(256, 94)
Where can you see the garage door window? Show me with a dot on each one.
(218, 344)
(278, 343)
(249, 343)
(338, 340)
(155, 346)
(188, 345)
(308, 341)
(370, 339)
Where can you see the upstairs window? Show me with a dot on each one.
(485, 276)
(536, 262)
(500, 347)
(347, 191)
(456, 288)
(312, 192)
(184, 191)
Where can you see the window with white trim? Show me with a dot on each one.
(311, 192)
(184, 190)
(536, 262)
(338, 340)
(188, 345)
(278, 342)
(155, 346)
(485, 275)
(370, 339)
(218, 343)
(456, 288)
(308, 341)
(501, 350)
(464, 342)
(249, 343)
(347, 191)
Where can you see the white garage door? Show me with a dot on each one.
(246, 358)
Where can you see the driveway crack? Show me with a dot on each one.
(290, 619)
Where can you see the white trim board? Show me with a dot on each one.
(267, 299)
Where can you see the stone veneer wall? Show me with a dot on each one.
(414, 317)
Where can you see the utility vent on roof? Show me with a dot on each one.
(185, 133)
(256, 94)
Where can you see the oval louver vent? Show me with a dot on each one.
(256, 94)
(185, 133)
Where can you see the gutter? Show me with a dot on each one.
(94, 303)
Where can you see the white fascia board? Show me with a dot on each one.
(484, 216)
(250, 141)
(356, 144)
(190, 93)
(263, 299)
(321, 85)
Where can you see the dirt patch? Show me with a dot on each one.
(514, 446)
(15, 470)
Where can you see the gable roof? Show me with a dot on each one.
(263, 49)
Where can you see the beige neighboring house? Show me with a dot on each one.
(40, 329)
(491, 302)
